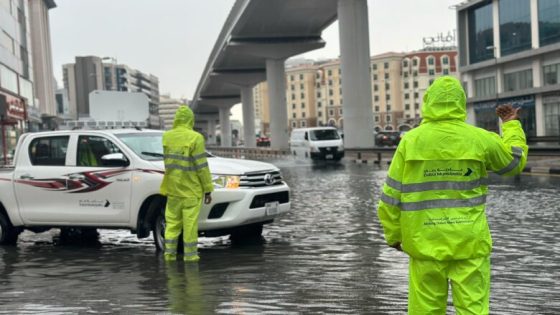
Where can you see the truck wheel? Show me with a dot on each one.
(248, 232)
(159, 234)
(8, 234)
(159, 231)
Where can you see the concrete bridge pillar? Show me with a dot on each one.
(276, 78)
(211, 131)
(356, 80)
(248, 116)
(225, 127)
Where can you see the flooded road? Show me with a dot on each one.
(327, 256)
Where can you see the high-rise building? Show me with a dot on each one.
(24, 43)
(91, 73)
(509, 52)
(300, 96)
(262, 112)
(387, 90)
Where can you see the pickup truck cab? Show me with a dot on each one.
(111, 179)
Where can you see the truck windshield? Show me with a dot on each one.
(325, 134)
(146, 145)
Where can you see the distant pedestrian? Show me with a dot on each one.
(186, 182)
(433, 201)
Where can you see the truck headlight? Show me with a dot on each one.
(314, 149)
(226, 181)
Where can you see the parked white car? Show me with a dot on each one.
(54, 184)
(318, 143)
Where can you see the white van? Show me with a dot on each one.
(319, 143)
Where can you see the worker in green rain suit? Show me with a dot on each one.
(186, 181)
(433, 201)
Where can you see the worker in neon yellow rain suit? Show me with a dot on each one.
(186, 181)
(433, 201)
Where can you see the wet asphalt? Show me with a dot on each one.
(327, 256)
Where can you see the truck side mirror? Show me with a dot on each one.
(306, 137)
(114, 159)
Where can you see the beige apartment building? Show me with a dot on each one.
(399, 81)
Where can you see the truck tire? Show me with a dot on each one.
(247, 233)
(159, 233)
(8, 234)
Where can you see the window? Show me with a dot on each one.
(376, 98)
(431, 61)
(386, 65)
(551, 74)
(431, 72)
(331, 92)
(91, 149)
(375, 87)
(405, 63)
(431, 81)
(415, 94)
(7, 41)
(415, 84)
(320, 114)
(415, 73)
(481, 33)
(485, 87)
(406, 106)
(330, 73)
(549, 22)
(293, 106)
(293, 96)
(515, 26)
(386, 76)
(303, 115)
(303, 123)
(318, 94)
(291, 78)
(302, 104)
(8, 79)
(319, 104)
(49, 151)
(292, 87)
(302, 95)
(415, 62)
(376, 108)
(293, 115)
(446, 71)
(551, 106)
(416, 106)
(445, 60)
(387, 86)
(406, 85)
(375, 77)
(388, 97)
(331, 102)
(376, 118)
(388, 118)
(388, 107)
(301, 76)
(330, 82)
(294, 124)
(331, 112)
(519, 80)
(405, 74)
(301, 87)
(406, 95)
(374, 66)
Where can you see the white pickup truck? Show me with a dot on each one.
(111, 179)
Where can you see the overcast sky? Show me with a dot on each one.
(172, 39)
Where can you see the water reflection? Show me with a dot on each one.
(326, 256)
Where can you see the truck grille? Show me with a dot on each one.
(260, 179)
(329, 150)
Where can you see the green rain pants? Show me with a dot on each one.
(181, 214)
(428, 286)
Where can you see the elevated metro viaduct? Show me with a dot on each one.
(257, 38)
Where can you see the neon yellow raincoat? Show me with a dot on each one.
(433, 200)
(186, 180)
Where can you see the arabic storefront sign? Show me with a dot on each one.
(11, 107)
(441, 40)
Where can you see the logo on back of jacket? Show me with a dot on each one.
(449, 171)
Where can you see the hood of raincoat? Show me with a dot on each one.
(184, 117)
(444, 100)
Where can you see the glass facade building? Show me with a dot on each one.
(515, 26)
(481, 34)
(549, 22)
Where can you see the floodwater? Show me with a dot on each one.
(327, 256)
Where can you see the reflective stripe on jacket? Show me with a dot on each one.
(186, 169)
(433, 200)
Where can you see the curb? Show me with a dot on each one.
(541, 170)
